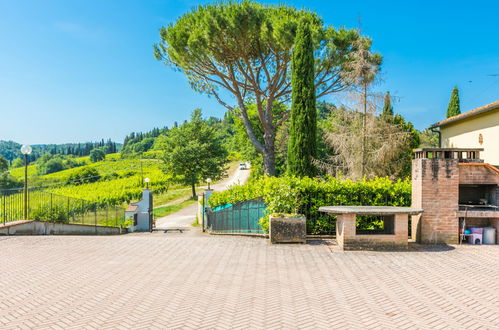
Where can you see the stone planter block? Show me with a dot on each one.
(292, 229)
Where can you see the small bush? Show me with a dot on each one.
(53, 214)
(110, 176)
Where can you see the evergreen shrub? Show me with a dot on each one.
(306, 195)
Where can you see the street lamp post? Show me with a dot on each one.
(147, 180)
(209, 181)
(26, 150)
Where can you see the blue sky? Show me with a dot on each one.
(83, 70)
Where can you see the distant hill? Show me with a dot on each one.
(11, 150)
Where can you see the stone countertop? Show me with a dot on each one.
(370, 210)
(471, 213)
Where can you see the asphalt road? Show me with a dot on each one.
(185, 217)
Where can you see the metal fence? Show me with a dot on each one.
(238, 218)
(46, 206)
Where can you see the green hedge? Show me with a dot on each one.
(306, 195)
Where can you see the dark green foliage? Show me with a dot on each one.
(454, 107)
(72, 163)
(144, 145)
(306, 195)
(387, 106)
(84, 175)
(302, 147)
(138, 142)
(11, 150)
(4, 164)
(193, 152)
(97, 155)
(403, 165)
(323, 109)
(49, 163)
(52, 166)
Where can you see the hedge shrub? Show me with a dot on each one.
(306, 195)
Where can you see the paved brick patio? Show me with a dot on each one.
(187, 281)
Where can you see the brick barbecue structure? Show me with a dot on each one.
(452, 185)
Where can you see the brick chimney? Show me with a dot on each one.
(435, 189)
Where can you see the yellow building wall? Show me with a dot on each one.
(465, 134)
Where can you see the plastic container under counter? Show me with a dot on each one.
(489, 235)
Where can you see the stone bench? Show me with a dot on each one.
(395, 221)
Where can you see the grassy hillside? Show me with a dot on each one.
(121, 181)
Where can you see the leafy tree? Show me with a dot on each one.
(323, 109)
(193, 152)
(139, 142)
(18, 162)
(7, 181)
(4, 164)
(44, 158)
(49, 163)
(245, 49)
(241, 143)
(302, 147)
(387, 106)
(454, 107)
(97, 155)
(401, 167)
(144, 145)
(429, 139)
(53, 165)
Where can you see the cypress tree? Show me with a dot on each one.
(302, 146)
(387, 106)
(454, 108)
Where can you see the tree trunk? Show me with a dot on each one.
(193, 186)
(269, 164)
(269, 154)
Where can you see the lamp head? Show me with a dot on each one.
(26, 149)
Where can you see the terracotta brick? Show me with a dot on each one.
(435, 189)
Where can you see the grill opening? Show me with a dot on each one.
(477, 195)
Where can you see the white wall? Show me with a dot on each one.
(465, 134)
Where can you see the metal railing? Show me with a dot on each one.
(46, 206)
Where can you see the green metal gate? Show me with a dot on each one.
(236, 218)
